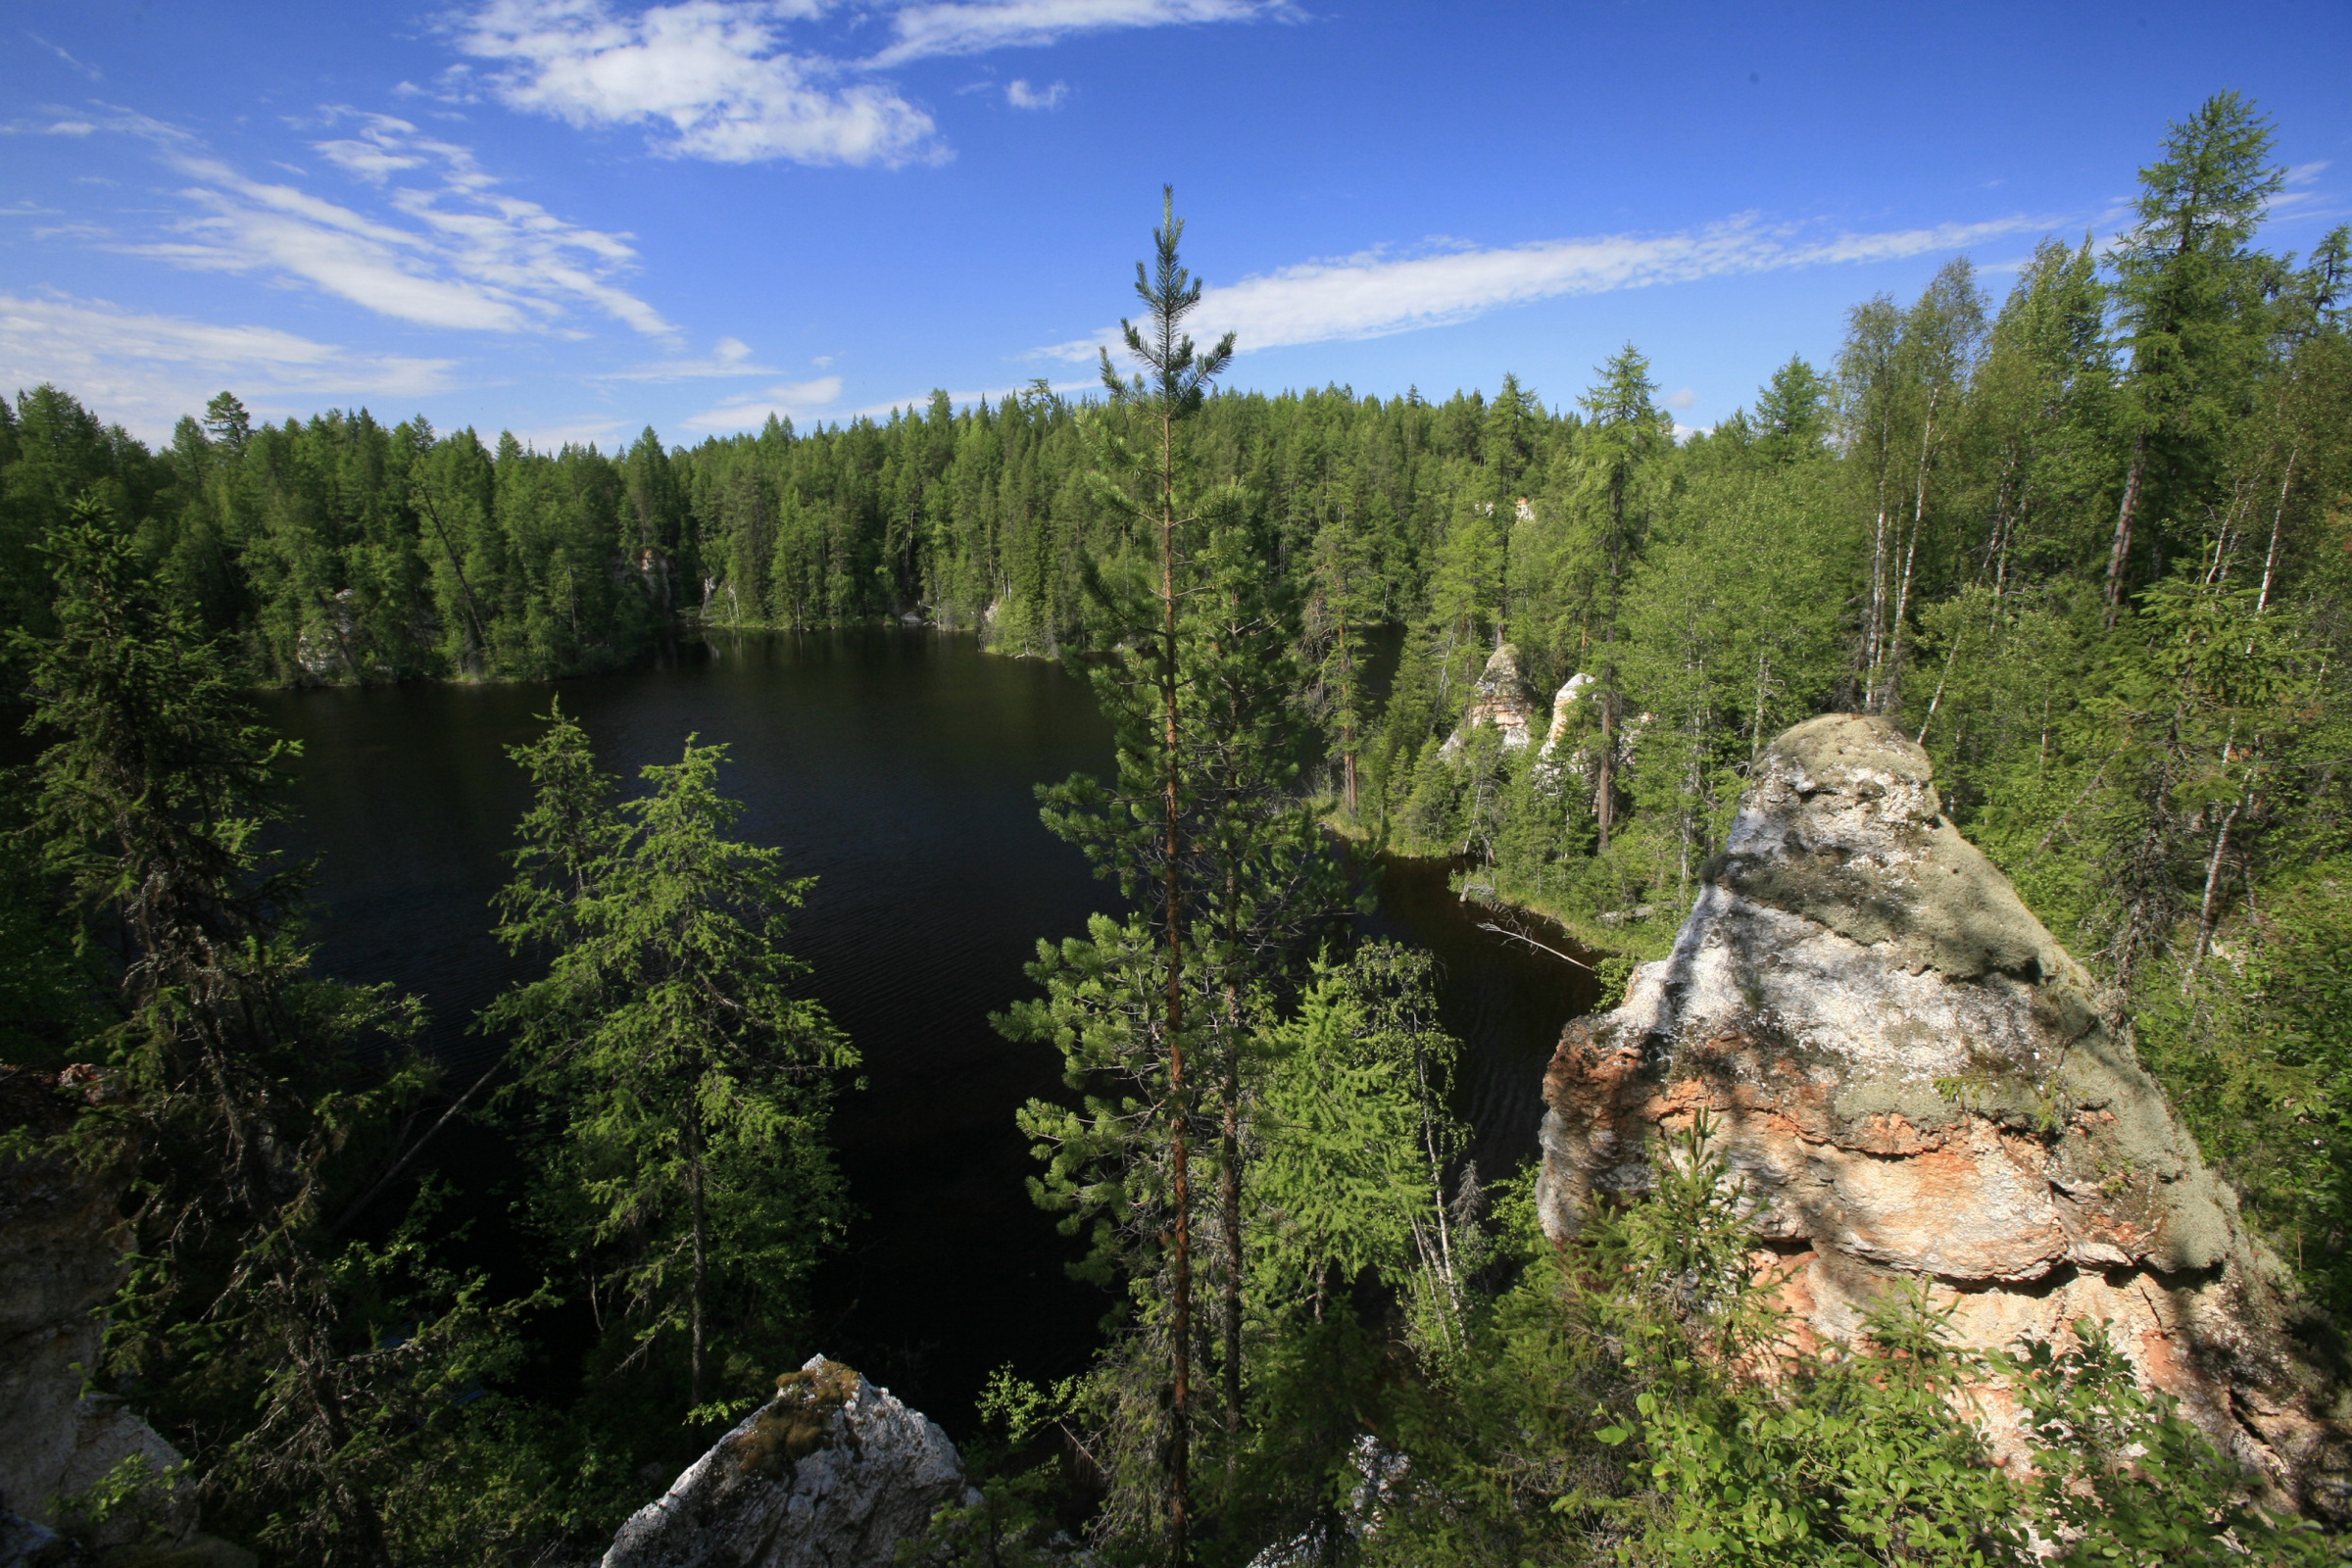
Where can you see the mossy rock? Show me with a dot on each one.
(799, 1420)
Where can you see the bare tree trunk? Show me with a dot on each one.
(1890, 699)
(1180, 1415)
(2269, 559)
(479, 641)
(2212, 879)
(1230, 1176)
(1231, 1207)
(1605, 805)
(2123, 527)
(694, 1192)
(1756, 730)
(1604, 799)
(1347, 718)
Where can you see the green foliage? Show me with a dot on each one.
(2121, 1477)
(1361, 1169)
(677, 1087)
(302, 1374)
(1636, 1397)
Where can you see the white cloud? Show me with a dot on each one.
(794, 400)
(1373, 294)
(975, 28)
(147, 371)
(729, 355)
(717, 76)
(1685, 399)
(447, 249)
(88, 70)
(719, 79)
(578, 432)
(1021, 95)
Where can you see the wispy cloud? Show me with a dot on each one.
(86, 69)
(1021, 95)
(1374, 294)
(578, 432)
(794, 400)
(727, 357)
(724, 79)
(713, 80)
(444, 247)
(146, 370)
(976, 28)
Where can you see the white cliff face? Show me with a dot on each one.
(1501, 698)
(1911, 1079)
(831, 1473)
(1563, 709)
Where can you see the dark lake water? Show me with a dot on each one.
(897, 767)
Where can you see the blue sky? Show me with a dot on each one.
(576, 217)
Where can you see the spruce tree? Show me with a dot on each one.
(296, 1369)
(679, 1084)
(1127, 1162)
(2190, 295)
(1626, 434)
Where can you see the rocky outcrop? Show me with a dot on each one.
(1501, 698)
(1912, 1079)
(1564, 711)
(831, 1473)
(61, 1247)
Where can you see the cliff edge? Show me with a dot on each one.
(1912, 1078)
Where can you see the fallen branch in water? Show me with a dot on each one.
(1521, 936)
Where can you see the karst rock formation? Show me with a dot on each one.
(1911, 1079)
(1501, 698)
(832, 1472)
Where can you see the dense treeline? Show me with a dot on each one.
(2091, 543)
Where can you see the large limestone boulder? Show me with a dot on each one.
(1501, 698)
(1912, 1079)
(62, 1251)
(831, 1473)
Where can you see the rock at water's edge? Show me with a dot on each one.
(831, 1472)
(1913, 1079)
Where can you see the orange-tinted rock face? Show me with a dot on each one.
(1504, 699)
(1911, 1078)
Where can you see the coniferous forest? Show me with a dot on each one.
(2084, 530)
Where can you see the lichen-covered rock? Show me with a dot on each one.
(62, 1253)
(1501, 698)
(831, 1473)
(1911, 1078)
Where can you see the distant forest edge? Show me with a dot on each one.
(2090, 543)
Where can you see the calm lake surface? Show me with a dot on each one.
(896, 767)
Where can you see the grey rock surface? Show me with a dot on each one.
(831, 1473)
(1911, 1078)
(63, 1242)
